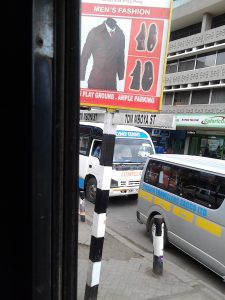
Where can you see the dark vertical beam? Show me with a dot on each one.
(58, 149)
(71, 188)
(42, 178)
(42, 132)
(15, 132)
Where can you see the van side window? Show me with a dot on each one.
(96, 149)
(152, 173)
(84, 143)
(200, 187)
(84, 140)
(206, 191)
(164, 175)
(220, 197)
(174, 180)
(188, 184)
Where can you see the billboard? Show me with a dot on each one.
(123, 53)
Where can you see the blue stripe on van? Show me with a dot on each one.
(81, 183)
(131, 134)
(179, 201)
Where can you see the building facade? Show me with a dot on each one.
(194, 87)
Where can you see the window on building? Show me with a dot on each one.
(218, 21)
(181, 98)
(200, 97)
(218, 96)
(184, 32)
(220, 60)
(168, 99)
(186, 64)
(205, 60)
(171, 68)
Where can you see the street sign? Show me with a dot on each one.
(160, 121)
(97, 117)
(123, 53)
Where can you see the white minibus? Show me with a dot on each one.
(132, 147)
(189, 192)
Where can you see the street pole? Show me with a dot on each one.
(101, 204)
(158, 244)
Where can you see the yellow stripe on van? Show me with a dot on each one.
(145, 195)
(164, 204)
(209, 226)
(183, 214)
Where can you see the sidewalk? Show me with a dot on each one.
(126, 273)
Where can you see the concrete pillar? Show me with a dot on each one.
(206, 22)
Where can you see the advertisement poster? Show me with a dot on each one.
(123, 53)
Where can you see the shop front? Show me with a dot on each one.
(205, 134)
(207, 145)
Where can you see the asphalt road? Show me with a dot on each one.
(121, 217)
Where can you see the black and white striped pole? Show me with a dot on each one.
(101, 204)
(82, 206)
(158, 244)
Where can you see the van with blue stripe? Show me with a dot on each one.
(189, 193)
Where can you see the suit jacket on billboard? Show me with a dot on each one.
(108, 57)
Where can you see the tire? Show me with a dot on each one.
(150, 226)
(91, 189)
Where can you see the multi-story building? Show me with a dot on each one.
(194, 87)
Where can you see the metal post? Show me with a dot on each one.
(99, 218)
(82, 207)
(158, 244)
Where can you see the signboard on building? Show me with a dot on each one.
(123, 53)
(201, 121)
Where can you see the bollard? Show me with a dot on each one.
(158, 244)
(82, 207)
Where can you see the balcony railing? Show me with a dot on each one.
(197, 41)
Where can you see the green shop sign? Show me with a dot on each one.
(201, 121)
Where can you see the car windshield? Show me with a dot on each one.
(131, 150)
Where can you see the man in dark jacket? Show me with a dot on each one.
(106, 44)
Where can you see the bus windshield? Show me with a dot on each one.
(132, 150)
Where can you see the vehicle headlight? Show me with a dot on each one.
(113, 183)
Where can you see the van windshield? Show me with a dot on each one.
(132, 150)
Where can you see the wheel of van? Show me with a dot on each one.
(150, 227)
(91, 189)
